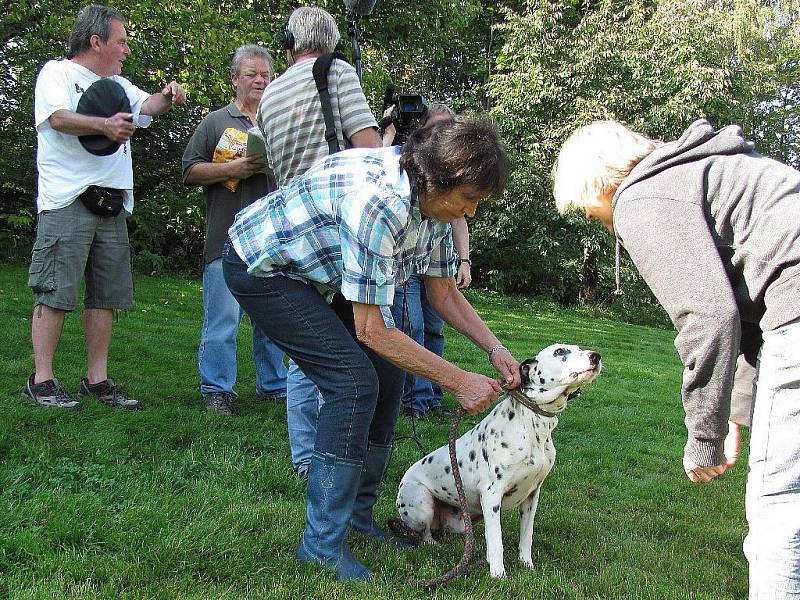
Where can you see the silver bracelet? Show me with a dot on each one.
(495, 349)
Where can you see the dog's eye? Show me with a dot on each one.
(561, 353)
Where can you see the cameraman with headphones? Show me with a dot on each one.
(291, 119)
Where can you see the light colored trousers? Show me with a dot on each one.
(772, 500)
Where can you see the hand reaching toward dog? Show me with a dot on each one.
(477, 392)
(507, 366)
(697, 473)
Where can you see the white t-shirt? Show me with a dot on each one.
(65, 167)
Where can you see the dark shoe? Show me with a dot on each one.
(50, 394)
(219, 402)
(109, 393)
(363, 522)
(330, 494)
(412, 413)
(441, 413)
(277, 398)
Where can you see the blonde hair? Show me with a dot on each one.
(594, 160)
(314, 30)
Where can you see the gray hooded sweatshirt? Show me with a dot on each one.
(714, 229)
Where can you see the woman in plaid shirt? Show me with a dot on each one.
(359, 223)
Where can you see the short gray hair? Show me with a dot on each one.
(434, 109)
(91, 20)
(249, 51)
(314, 30)
(594, 160)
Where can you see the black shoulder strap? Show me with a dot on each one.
(321, 68)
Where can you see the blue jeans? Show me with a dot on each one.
(419, 320)
(217, 353)
(772, 501)
(303, 402)
(361, 390)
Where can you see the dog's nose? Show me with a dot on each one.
(594, 358)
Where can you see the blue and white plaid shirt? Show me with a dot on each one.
(348, 224)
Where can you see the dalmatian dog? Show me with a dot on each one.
(503, 460)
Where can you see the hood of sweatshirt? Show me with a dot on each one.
(699, 141)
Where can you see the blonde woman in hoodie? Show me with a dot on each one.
(714, 229)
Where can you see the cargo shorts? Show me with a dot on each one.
(72, 242)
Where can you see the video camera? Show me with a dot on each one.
(409, 110)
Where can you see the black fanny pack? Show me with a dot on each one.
(106, 202)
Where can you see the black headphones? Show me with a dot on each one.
(286, 36)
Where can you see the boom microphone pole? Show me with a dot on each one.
(355, 10)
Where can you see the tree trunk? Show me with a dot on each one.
(591, 276)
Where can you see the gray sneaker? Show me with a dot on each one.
(219, 402)
(108, 393)
(50, 394)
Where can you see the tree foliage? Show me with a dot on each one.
(436, 48)
(654, 65)
(541, 67)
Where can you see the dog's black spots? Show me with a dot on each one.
(485, 455)
(472, 455)
(504, 445)
(497, 470)
(493, 432)
(541, 380)
(405, 513)
(460, 463)
(499, 476)
(542, 390)
(447, 469)
(496, 508)
(402, 505)
(511, 414)
(444, 488)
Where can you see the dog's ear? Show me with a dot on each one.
(524, 371)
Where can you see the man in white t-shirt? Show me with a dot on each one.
(71, 240)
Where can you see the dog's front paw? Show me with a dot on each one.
(497, 572)
(527, 561)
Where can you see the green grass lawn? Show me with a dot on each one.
(171, 502)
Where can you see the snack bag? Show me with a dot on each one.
(232, 144)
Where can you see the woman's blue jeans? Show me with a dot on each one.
(361, 390)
